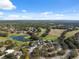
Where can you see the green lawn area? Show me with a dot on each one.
(19, 43)
(50, 37)
(53, 34)
(71, 33)
(14, 34)
(3, 38)
(42, 31)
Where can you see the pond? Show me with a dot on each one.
(20, 38)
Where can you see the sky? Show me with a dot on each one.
(39, 9)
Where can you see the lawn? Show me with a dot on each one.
(53, 34)
(50, 37)
(42, 31)
(71, 33)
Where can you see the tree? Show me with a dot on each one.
(60, 53)
(70, 44)
(9, 43)
(73, 54)
(63, 45)
(9, 56)
(1, 44)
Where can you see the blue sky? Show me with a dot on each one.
(39, 9)
(46, 5)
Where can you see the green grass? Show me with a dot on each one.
(18, 43)
(14, 34)
(71, 33)
(2, 38)
(42, 31)
(50, 37)
(53, 34)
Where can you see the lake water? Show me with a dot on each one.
(19, 38)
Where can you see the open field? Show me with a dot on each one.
(71, 33)
(54, 34)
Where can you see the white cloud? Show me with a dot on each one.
(59, 15)
(41, 16)
(12, 17)
(1, 13)
(24, 11)
(26, 17)
(50, 15)
(17, 17)
(6, 5)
